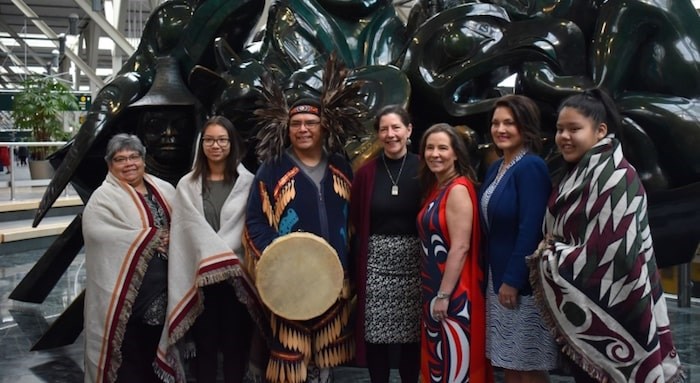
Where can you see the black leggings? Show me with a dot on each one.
(379, 365)
(223, 327)
(138, 353)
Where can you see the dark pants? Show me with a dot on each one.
(138, 353)
(224, 326)
(379, 365)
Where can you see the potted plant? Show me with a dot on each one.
(39, 107)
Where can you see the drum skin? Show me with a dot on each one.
(299, 276)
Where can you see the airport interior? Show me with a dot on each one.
(446, 60)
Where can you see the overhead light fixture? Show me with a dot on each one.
(61, 44)
(54, 60)
(73, 24)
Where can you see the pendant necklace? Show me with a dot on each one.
(394, 184)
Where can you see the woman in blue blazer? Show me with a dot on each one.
(512, 203)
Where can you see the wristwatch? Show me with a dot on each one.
(442, 295)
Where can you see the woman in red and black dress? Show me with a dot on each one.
(453, 333)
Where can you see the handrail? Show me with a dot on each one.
(12, 158)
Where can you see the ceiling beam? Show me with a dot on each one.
(46, 30)
(15, 60)
(107, 28)
(22, 43)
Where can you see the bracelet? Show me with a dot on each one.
(442, 295)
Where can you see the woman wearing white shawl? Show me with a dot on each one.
(125, 227)
(205, 273)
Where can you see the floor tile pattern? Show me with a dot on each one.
(21, 324)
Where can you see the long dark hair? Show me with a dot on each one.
(201, 165)
(598, 106)
(527, 119)
(463, 165)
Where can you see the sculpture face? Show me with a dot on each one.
(168, 132)
(645, 53)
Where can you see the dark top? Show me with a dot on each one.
(213, 198)
(155, 279)
(284, 199)
(395, 214)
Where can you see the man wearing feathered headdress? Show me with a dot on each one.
(304, 184)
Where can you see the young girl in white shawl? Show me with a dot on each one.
(206, 274)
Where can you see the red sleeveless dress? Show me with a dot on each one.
(452, 351)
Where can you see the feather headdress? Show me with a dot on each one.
(343, 110)
(272, 117)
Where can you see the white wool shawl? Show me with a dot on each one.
(198, 257)
(120, 240)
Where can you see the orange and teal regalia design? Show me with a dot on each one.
(285, 200)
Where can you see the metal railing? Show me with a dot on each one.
(12, 145)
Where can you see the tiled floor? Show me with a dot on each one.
(21, 324)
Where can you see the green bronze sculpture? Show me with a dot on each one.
(445, 64)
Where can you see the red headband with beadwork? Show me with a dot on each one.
(304, 109)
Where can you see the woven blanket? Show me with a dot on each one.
(120, 239)
(596, 277)
(199, 257)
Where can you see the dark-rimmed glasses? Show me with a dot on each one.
(309, 124)
(124, 159)
(222, 141)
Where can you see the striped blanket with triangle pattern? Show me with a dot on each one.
(595, 275)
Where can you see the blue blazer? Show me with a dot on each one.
(512, 225)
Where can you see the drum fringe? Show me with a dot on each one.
(286, 368)
(329, 326)
(341, 351)
(294, 337)
(348, 307)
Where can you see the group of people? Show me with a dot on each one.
(21, 155)
(526, 275)
(5, 159)
(520, 272)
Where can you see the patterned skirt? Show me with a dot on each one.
(392, 313)
(518, 339)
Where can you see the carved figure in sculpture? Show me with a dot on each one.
(645, 53)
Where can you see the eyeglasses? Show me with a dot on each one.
(208, 141)
(124, 159)
(309, 124)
